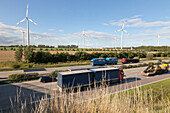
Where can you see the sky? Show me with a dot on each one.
(61, 22)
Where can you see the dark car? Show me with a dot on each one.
(47, 79)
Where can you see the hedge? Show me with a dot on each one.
(54, 73)
(22, 76)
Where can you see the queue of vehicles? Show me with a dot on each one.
(111, 61)
(82, 77)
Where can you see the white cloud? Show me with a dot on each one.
(136, 16)
(12, 35)
(61, 30)
(105, 24)
(138, 22)
(51, 29)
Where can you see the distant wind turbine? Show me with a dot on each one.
(158, 40)
(141, 42)
(115, 40)
(28, 19)
(23, 41)
(122, 33)
(83, 36)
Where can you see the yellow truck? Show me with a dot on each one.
(156, 69)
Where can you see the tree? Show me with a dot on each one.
(28, 54)
(18, 54)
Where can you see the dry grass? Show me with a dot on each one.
(100, 101)
(7, 56)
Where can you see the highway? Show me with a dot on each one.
(31, 91)
(4, 75)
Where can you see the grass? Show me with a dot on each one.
(8, 66)
(148, 99)
(9, 82)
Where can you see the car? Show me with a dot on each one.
(47, 79)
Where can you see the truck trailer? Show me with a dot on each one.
(126, 60)
(84, 78)
(103, 61)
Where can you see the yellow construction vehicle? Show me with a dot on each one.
(156, 69)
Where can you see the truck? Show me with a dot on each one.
(103, 61)
(86, 78)
(126, 60)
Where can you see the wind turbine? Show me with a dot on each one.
(122, 33)
(28, 19)
(83, 35)
(141, 42)
(115, 41)
(23, 41)
(158, 40)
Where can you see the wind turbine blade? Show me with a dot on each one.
(20, 21)
(118, 30)
(27, 11)
(123, 24)
(125, 31)
(32, 21)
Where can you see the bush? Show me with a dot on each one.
(30, 65)
(150, 63)
(54, 73)
(22, 76)
(150, 56)
(16, 66)
(123, 66)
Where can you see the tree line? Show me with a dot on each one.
(45, 57)
(67, 46)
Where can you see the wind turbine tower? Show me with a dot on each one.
(23, 41)
(158, 40)
(28, 19)
(122, 33)
(84, 35)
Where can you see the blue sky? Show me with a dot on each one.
(62, 21)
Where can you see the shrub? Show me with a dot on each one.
(16, 66)
(22, 76)
(150, 63)
(123, 66)
(54, 73)
(150, 56)
(30, 65)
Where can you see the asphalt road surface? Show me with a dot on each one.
(32, 91)
(4, 75)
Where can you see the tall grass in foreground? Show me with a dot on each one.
(139, 100)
